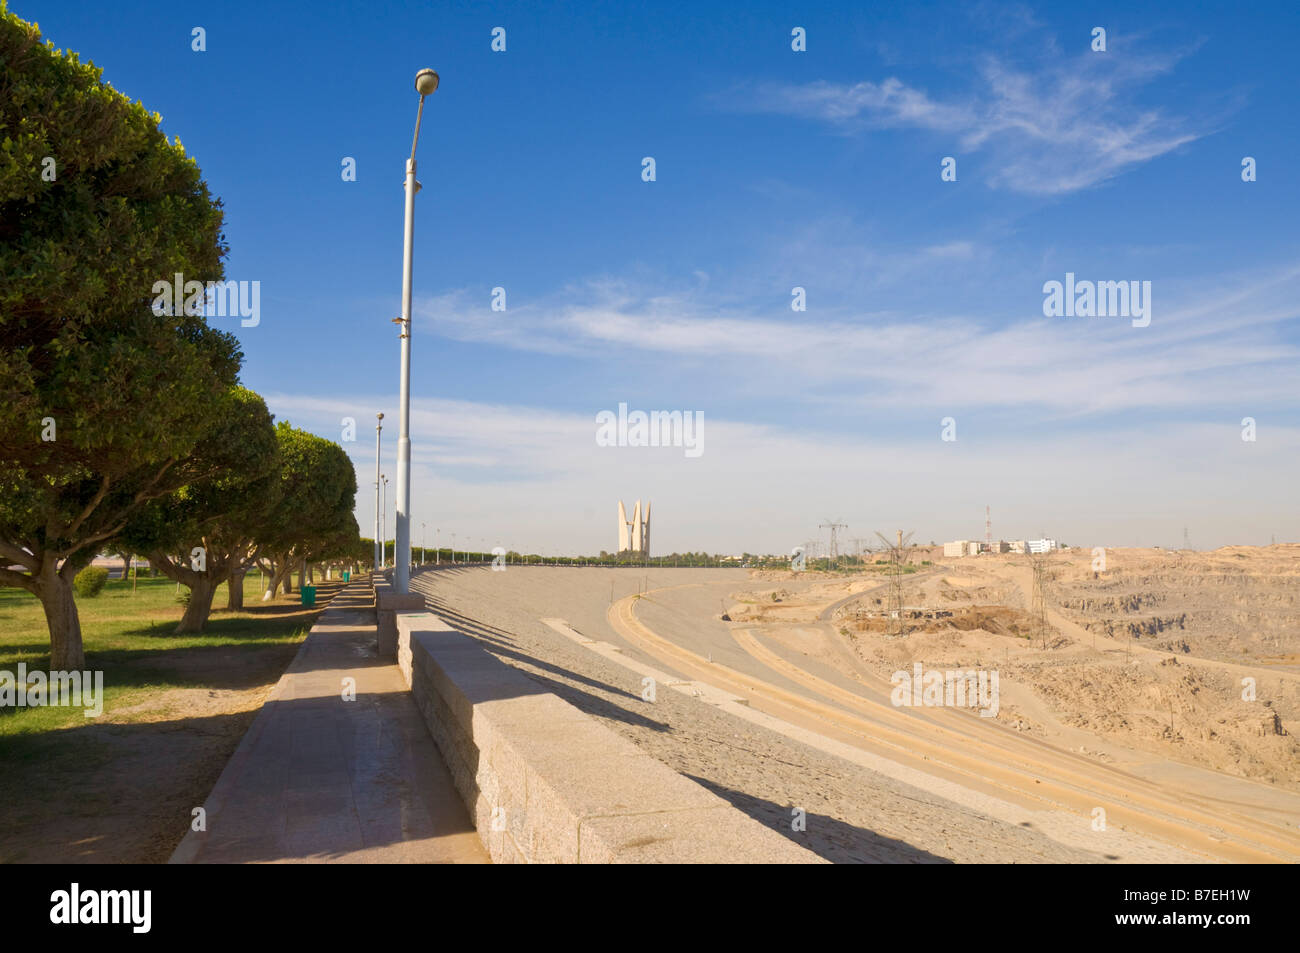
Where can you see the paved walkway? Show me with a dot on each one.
(318, 778)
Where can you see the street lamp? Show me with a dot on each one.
(383, 526)
(426, 81)
(379, 556)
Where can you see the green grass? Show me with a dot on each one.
(128, 635)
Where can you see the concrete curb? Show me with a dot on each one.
(387, 604)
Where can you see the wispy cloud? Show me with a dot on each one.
(1209, 343)
(1063, 126)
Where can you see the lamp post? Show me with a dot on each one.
(379, 556)
(426, 81)
(383, 525)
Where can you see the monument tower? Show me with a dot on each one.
(634, 533)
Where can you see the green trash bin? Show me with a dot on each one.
(308, 595)
(347, 575)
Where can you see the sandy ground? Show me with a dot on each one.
(1155, 653)
(812, 734)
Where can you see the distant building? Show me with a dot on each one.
(1018, 546)
(962, 547)
(1042, 545)
(634, 534)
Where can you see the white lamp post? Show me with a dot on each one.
(426, 81)
(383, 525)
(379, 556)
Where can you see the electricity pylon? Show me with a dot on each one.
(833, 525)
(898, 553)
(1038, 605)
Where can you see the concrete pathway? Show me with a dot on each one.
(322, 779)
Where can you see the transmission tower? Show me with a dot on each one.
(833, 526)
(1038, 606)
(857, 542)
(988, 529)
(898, 553)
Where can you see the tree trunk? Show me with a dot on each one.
(200, 607)
(235, 597)
(270, 579)
(55, 593)
(126, 567)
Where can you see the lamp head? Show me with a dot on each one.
(426, 81)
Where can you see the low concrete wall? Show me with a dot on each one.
(547, 783)
(387, 604)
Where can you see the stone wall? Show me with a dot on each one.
(546, 783)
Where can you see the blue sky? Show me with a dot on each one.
(774, 169)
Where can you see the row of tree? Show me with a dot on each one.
(282, 500)
(123, 423)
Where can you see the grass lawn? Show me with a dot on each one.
(119, 787)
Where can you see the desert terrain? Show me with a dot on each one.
(1121, 734)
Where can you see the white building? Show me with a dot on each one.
(1042, 545)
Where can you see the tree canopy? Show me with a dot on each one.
(105, 399)
(123, 425)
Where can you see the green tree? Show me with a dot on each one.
(123, 552)
(213, 523)
(318, 489)
(104, 399)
